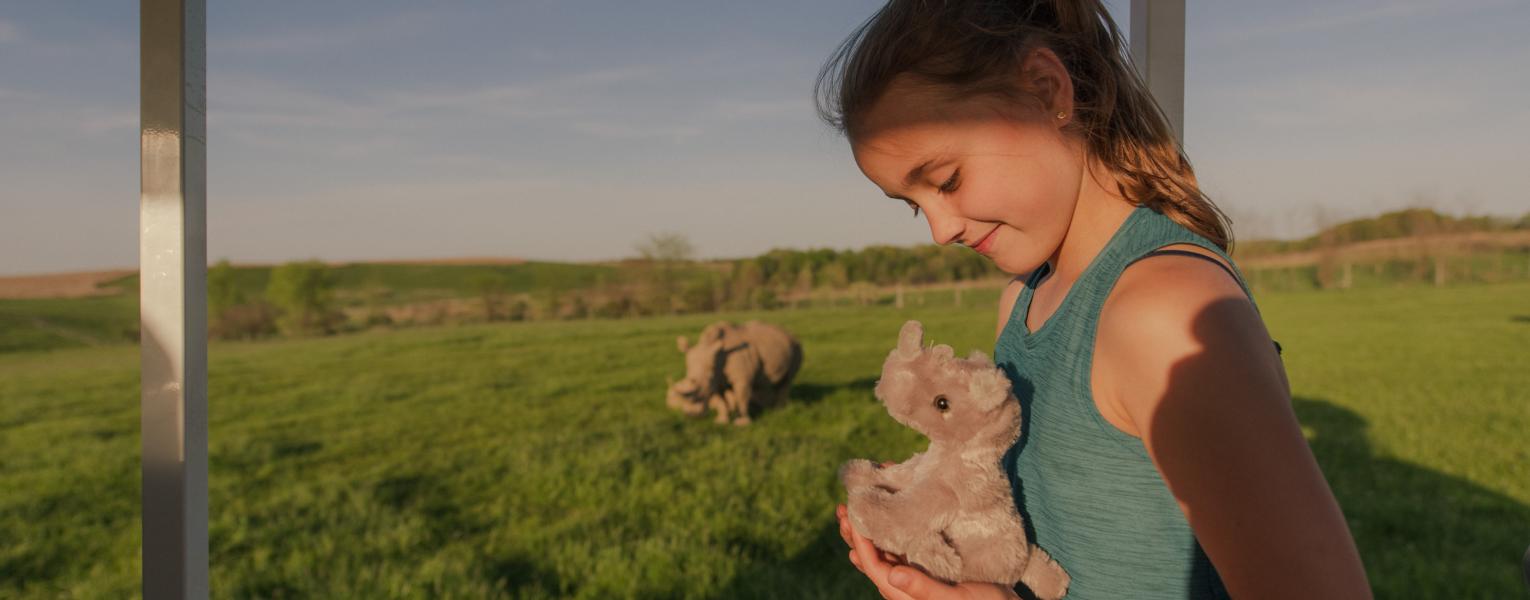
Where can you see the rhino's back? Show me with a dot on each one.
(780, 354)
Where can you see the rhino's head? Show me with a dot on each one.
(690, 394)
(685, 396)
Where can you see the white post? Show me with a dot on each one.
(1158, 49)
(172, 234)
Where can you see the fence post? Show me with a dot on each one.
(1158, 49)
(172, 234)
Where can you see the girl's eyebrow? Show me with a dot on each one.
(915, 173)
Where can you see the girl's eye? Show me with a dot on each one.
(915, 207)
(950, 184)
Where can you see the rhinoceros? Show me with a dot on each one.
(731, 367)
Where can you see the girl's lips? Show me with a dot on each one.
(984, 244)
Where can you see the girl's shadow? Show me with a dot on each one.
(1421, 533)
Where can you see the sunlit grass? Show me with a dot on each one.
(538, 459)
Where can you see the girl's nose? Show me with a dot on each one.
(945, 227)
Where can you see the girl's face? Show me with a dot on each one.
(986, 172)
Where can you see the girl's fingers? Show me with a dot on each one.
(844, 524)
(917, 585)
(869, 560)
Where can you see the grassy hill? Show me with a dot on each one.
(1412, 222)
(418, 281)
(536, 460)
(48, 323)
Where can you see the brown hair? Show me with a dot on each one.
(975, 46)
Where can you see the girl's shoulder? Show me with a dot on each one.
(1172, 276)
(1170, 310)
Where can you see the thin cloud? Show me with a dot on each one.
(1329, 16)
(30, 112)
(329, 37)
(551, 98)
(761, 109)
(676, 133)
(9, 32)
(262, 112)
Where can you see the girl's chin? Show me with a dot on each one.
(1014, 265)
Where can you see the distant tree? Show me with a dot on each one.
(804, 285)
(520, 310)
(666, 248)
(699, 295)
(222, 288)
(303, 293)
(833, 275)
(576, 308)
(747, 279)
(491, 288)
(664, 252)
(231, 313)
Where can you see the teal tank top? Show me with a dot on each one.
(1088, 492)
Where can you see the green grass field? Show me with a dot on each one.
(538, 460)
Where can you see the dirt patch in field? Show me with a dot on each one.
(467, 260)
(60, 285)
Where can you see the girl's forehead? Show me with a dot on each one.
(904, 105)
(908, 102)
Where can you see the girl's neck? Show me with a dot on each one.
(1097, 215)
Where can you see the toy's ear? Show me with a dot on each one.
(910, 340)
(988, 387)
(683, 344)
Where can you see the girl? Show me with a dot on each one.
(1160, 456)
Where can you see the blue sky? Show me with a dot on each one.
(572, 130)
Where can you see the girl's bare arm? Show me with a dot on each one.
(1189, 366)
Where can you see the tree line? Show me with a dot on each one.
(303, 298)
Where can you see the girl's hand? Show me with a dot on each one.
(897, 580)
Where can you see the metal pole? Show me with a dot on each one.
(172, 234)
(1158, 49)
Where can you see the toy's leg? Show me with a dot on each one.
(939, 557)
(858, 474)
(1046, 579)
(871, 507)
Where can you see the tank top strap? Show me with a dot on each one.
(1144, 233)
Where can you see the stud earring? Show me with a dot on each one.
(1062, 115)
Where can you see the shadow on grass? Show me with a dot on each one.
(1520, 318)
(822, 569)
(1421, 533)
(813, 393)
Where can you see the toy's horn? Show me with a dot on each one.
(910, 339)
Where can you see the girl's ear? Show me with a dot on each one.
(1043, 77)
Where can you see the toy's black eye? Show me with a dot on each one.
(941, 404)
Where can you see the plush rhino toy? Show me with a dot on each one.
(731, 367)
(949, 510)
